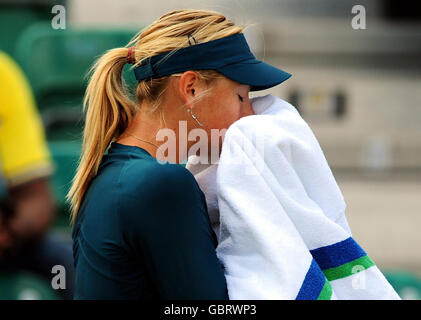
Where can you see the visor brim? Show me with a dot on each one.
(255, 73)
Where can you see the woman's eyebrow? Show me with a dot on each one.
(244, 89)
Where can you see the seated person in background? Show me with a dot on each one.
(27, 205)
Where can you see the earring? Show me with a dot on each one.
(194, 117)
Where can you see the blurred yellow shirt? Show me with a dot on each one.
(24, 155)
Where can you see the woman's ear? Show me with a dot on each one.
(188, 87)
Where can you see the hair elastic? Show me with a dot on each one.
(130, 56)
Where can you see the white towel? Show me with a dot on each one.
(283, 233)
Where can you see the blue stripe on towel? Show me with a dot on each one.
(313, 283)
(337, 254)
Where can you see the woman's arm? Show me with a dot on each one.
(173, 236)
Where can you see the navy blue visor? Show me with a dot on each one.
(230, 56)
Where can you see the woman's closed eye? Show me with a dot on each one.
(241, 98)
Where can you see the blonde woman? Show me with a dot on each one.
(141, 227)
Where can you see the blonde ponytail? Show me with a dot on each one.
(108, 110)
(107, 105)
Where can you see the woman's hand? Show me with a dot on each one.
(34, 210)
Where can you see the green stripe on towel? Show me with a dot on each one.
(349, 268)
(326, 293)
